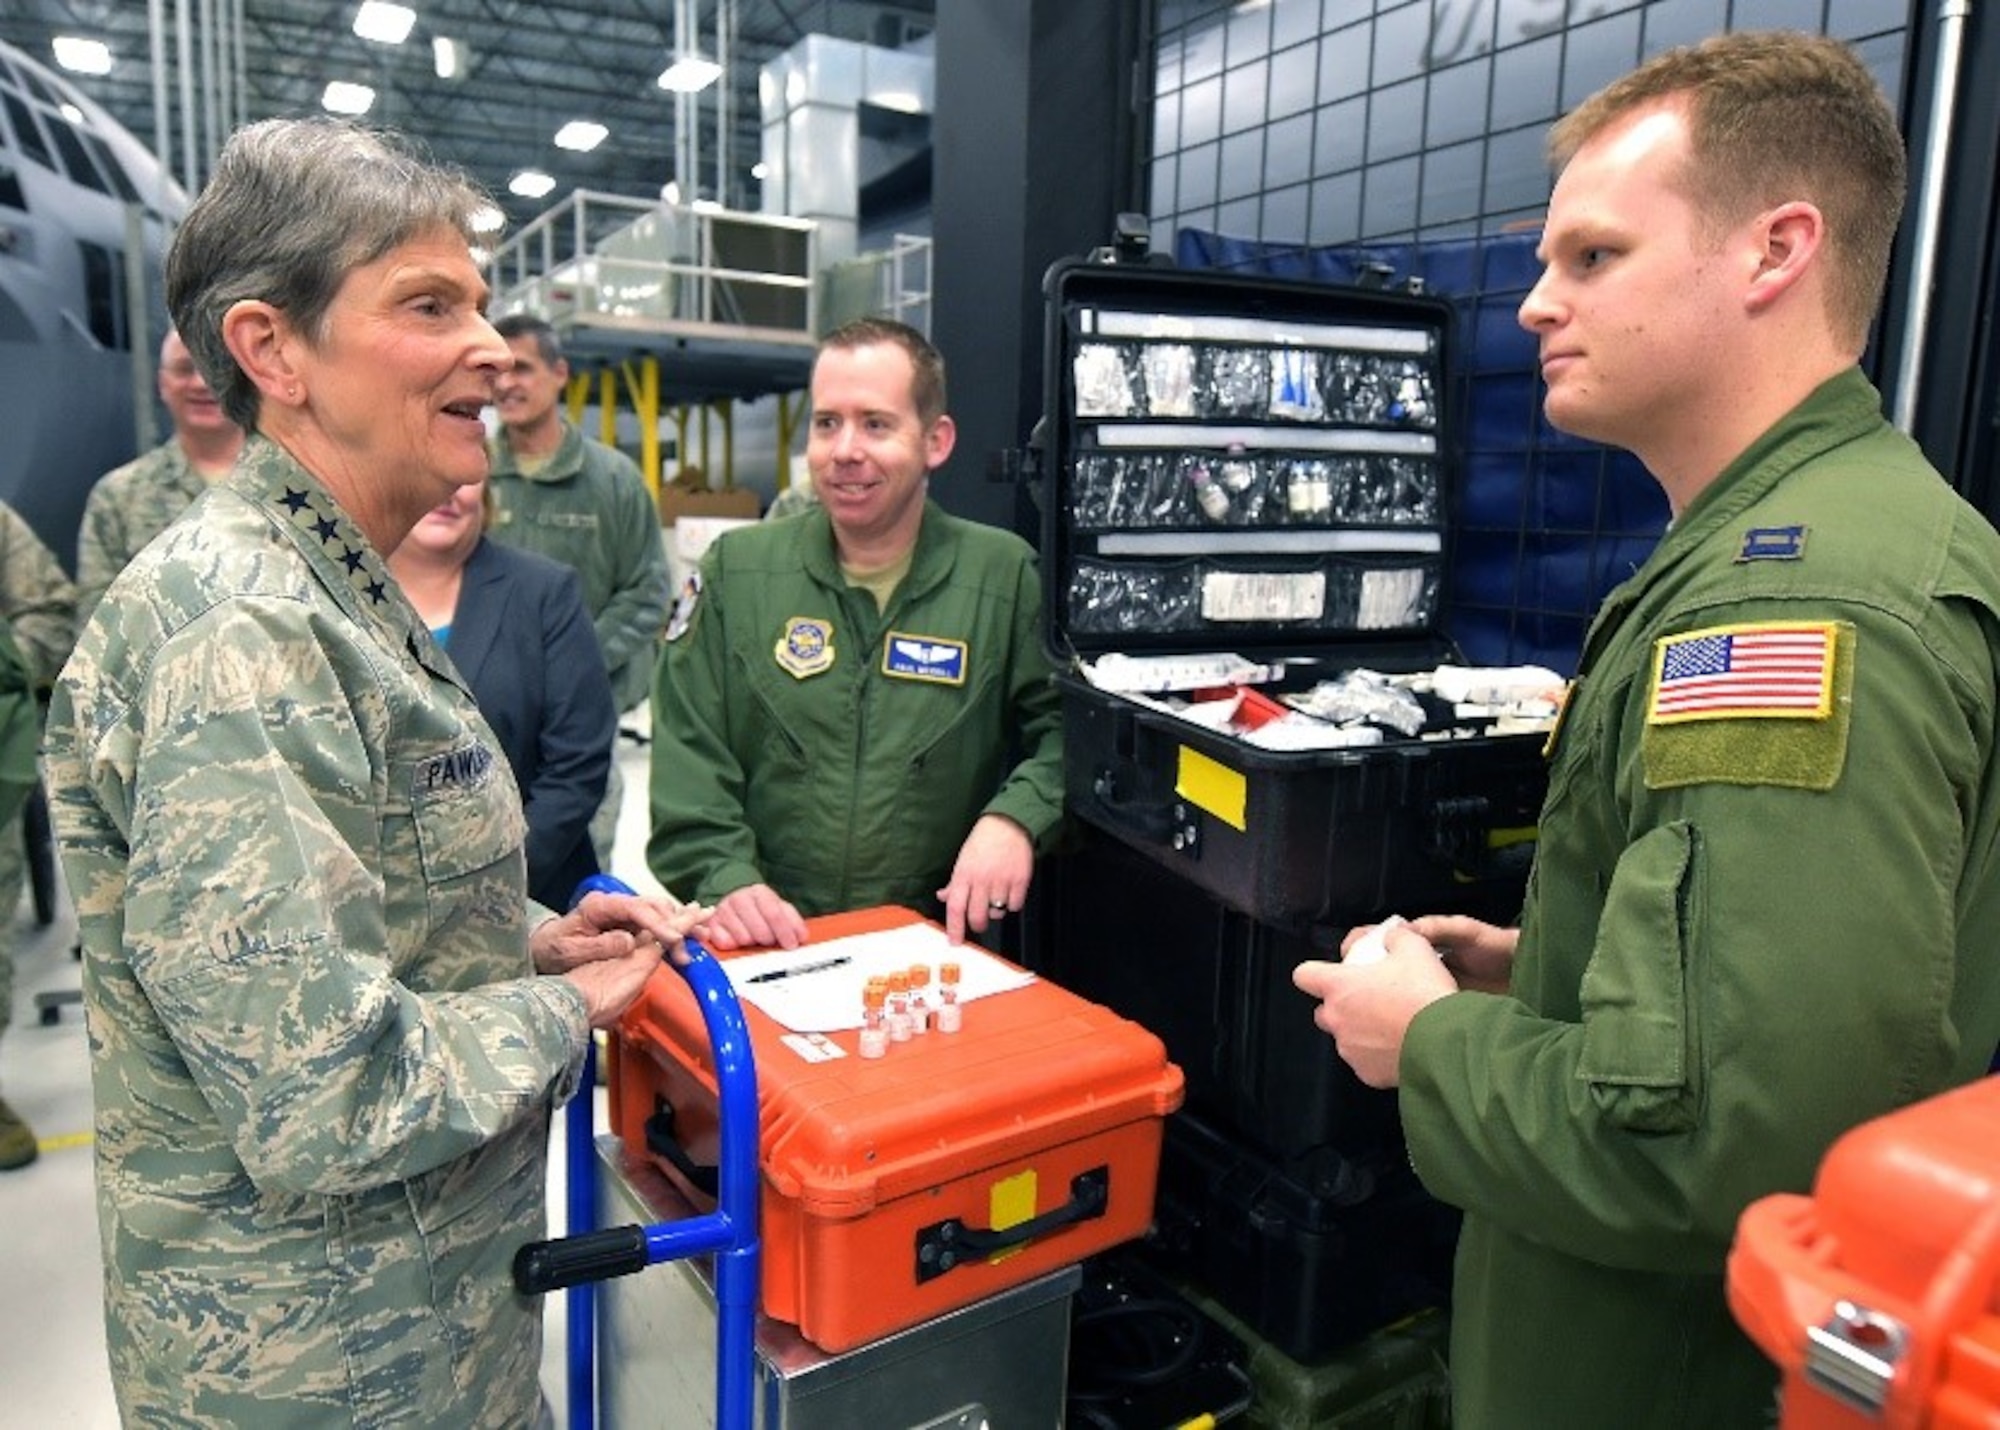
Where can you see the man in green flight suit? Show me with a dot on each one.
(1769, 869)
(853, 707)
(557, 493)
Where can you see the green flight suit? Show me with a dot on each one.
(803, 740)
(589, 509)
(321, 1063)
(1744, 934)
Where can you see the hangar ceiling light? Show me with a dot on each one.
(530, 184)
(381, 20)
(80, 55)
(580, 135)
(690, 74)
(340, 97)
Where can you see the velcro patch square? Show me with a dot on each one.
(1807, 751)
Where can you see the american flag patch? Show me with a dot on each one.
(1779, 669)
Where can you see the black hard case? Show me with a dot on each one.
(1297, 838)
(1311, 1266)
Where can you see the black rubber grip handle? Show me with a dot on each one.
(947, 1244)
(543, 1266)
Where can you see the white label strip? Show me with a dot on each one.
(1232, 543)
(1218, 327)
(1263, 596)
(1280, 439)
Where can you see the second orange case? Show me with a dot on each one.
(887, 1182)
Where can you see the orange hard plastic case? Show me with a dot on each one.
(884, 1179)
(1879, 1295)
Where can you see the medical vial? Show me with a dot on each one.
(1239, 473)
(874, 1019)
(920, 1003)
(1212, 499)
(899, 1007)
(950, 1012)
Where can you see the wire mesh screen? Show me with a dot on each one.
(1321, 138)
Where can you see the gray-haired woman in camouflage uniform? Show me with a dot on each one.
(326, 1027)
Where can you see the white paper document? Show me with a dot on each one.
(817, 988)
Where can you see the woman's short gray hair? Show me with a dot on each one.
(293, 207)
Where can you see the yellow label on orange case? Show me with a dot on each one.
(1009, 1203)
(1212, 786)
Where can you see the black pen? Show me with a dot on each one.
(775, 974)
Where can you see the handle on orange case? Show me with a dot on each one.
(1787, 1292)
(661, 1142)
(1781, 1277)
(946, 1244)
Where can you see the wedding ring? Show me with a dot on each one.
(998, 906)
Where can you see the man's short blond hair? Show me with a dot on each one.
(1774, 117)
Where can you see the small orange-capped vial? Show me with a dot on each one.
(874, 1019)
(950, 1012)
(899, 1007)
(920, 1003)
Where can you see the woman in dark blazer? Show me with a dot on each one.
(514, 624)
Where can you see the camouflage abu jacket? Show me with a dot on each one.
(322, 1069)
(129, 506)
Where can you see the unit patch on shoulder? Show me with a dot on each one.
(806, 647)
(1763, 703)
(931, 658)
(1773, 543)
(683, 616)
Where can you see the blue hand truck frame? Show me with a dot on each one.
(578, 1261)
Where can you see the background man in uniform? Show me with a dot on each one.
(853, 707)
(584, 504)
(38, 611)
(132, 504)
(1768, 876)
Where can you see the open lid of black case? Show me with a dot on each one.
(1243, 464)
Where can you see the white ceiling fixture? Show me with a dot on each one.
(82, 56)
(690, 74)
(341, 97)
(448, 57)
(580, 135)
(487, 219)
(382, 21)
(530, 184)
